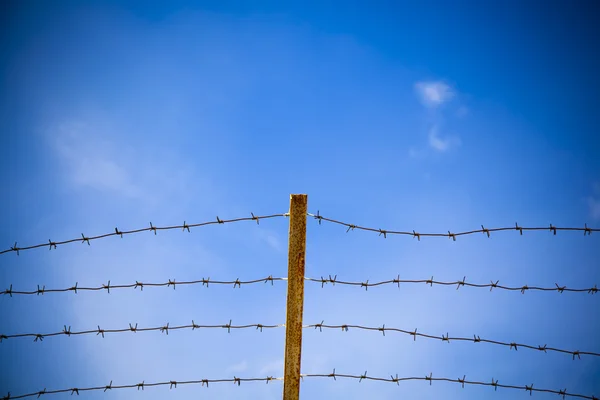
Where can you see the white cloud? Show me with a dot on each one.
(273, 368)
(239, 367)
(434, 93)
(441, 144)
(594, 205)
(273, 242)
(88, 162)
(414, 153)
(97, 157)
(270, 238)
(594, 202)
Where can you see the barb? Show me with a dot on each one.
(172, 385)
(134, 328)
(205, 282)
(397, 281)
(447, 338)
(430, 378)
(152, 228)
(452, 235)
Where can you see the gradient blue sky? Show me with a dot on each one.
(434, 117)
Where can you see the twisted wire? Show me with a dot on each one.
(323, 281)
(235, 380)
(134, 328)
(463, 382)
(344, 327)
(320, 218)
(152, 228)
(171, 384)
(453, 235)
(170, 283)
(397, 281)
(447, 338)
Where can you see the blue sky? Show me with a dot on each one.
(434, 117)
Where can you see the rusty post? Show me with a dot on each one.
(295, 296)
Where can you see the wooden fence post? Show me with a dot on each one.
(295, 296)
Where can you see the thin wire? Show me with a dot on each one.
(333, 280)
(166, 328)
(141, 285)
(475, 339)
(235, 380)
(450, 235)
(117, 232)
(397, 281)
(171, 384)
(463, 382)
(134, 328)
(320, 218)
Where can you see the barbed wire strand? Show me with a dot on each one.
(171, 384)
(475, 339)
(450, 235)
(333, 280)
(397, 281)
(155, 229)
(320, 218)
(235, 380)
(345, 327)
(134, 328)
(204, 281)
(463, 382)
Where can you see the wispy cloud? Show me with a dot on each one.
(414, 153)
(433, 93)
(242, 366)
(97, 158)
(594, 202)
(88, 162)
(270, 238)
(462, 111)
(439, 143)
(272, 368)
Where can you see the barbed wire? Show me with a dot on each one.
(117, 232)
(463, 382)
(475, 339)
(345, 327)
(205, 282)
(450, 235)
(333, 280)
(171, 384)
(320, 218)
(235, 380)
(134, 328)
(397, 281)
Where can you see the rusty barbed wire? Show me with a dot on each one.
(205, 282)
(384, 232)
(448, 338)
(397, 281)
(117, 232)
(235, 380)
(333, 280)
(345, 327)
(450, 235)
(170, 383)
(134, 328)
(429, 378)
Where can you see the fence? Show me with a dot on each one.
(294, 326)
